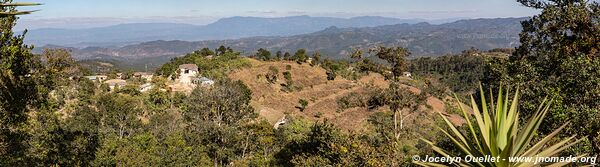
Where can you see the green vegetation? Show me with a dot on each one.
(212, 66)
(461, 73)
(288, 86)
(396, 96)
(263, 55)
(300, 56)
(497, 133)
(52, 116)
(303, 104)
(272, 75)
(558, 57)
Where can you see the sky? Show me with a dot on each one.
(93, 12)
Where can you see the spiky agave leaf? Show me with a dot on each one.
(497, 133)
(17, 4)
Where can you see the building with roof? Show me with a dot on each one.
(146, 87)
(144, 75)
(115, 83)
(98, 78)
(187, 72)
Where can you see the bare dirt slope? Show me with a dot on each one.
(273, 104)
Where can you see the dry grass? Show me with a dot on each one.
(272, 103)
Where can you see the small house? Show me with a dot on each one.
(144, 75)
(187, 72)
(115, 83)
(146, 87)
(97, 78)
(407, 74)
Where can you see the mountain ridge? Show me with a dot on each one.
(226, 28)
(422, 39)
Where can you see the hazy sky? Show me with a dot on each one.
(206, 11)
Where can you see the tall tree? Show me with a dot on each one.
(278, 55)
(120, 114)
(397, 97)
(263, 54)
(300, 56)
(215, 116)
(396, 56)
(560, 56)
(20, 75)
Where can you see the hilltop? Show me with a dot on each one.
(273, 104)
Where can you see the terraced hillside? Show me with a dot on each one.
(273, 104)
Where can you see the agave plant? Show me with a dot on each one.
(4, 13)
(496, 133)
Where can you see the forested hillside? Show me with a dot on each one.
(374, 101)
(422, 39)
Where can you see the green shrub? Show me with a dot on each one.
(303, 105)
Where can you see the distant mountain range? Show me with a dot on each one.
(422, 39)
(227, 28)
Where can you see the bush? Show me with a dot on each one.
(303, 105)
(289, 83)
(272, 74)
(351, 100)
(319, 114)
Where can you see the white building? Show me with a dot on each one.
(187, 72)
(407, 74)
(203, 81)
(146, 87)
(144, 75)
(116, 83)
(98, 78)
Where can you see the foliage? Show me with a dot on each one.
(300, 56)
(559, 56)
(461, 73)
(288, 86)
(497, 133)
(272, 75)
(22, 86)
(278, 56)
(119, 114)
(339, 67)
(303, 104)
(395, 56)
(263, 54)
(215, 115)
(352, 100)
(397, 96)
(213, 67)
(316, 59)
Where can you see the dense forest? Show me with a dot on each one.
(461, 73)
(51, 115)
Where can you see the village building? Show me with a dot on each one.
(203, 81)
(146, 87)
(144, 75)
(97, 78)
(187, 72)
(115, 83)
